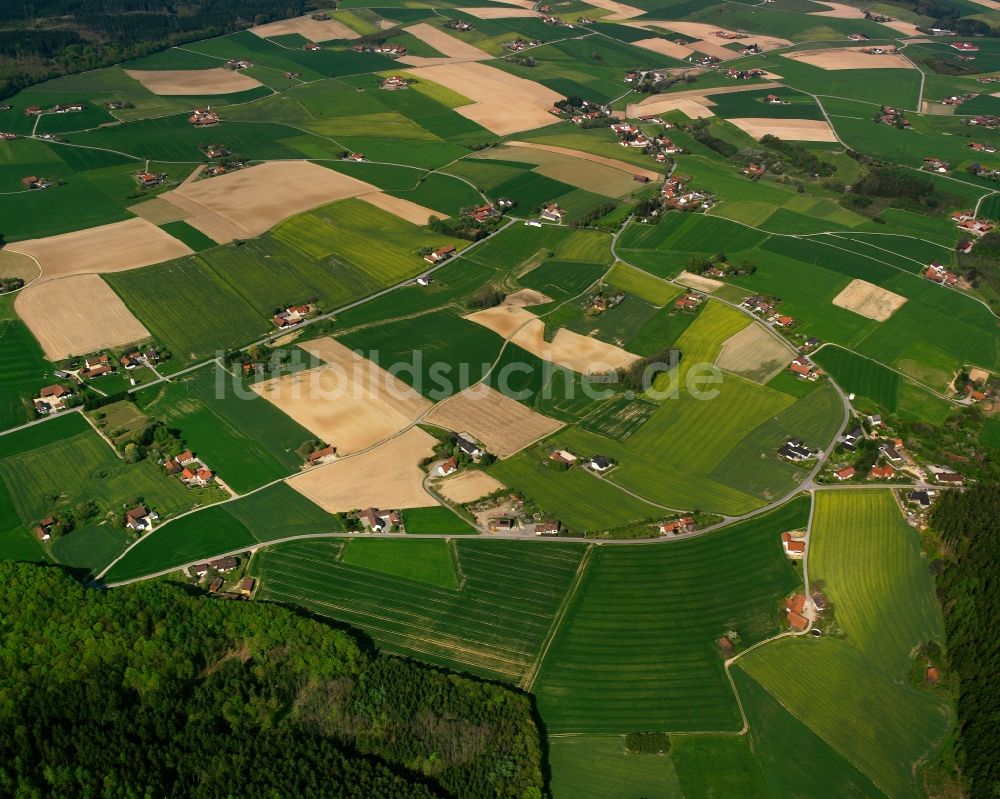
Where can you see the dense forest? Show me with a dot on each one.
(153, 691)
(969, 588)
(46, 38)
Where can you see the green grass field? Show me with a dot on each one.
(436, 521)
(642, 284)
(494, 626)
(424, 560)
(23, 368)
(597, 766)
(637, 649)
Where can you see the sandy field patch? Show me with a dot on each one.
(504, 425)
(157, 211)
(560, 163)
(525, 298)
(451, 48)
(388, 476)
(519, 3)
(107, 248)
(349, 402)
(248, 202)
(14, 264)
(848, 58)
(499, 13)
(468, 486)
(314, 30)
(665, 47)
(868, 300)
(77, 315)
(980, 376)
(693, 102)
(501, 103)
(987, 4)
(793, 129)
(753, 353)
(697, 282)
(906, 28)
(597, 159)
(198, 82)
(574, 351)
(618, 11)
(404, 209)
(838, 11)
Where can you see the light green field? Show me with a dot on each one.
(597, 766)
(649, 287)
(429, 561)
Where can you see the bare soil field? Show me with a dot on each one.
(848, 58)
(574, 351)
(388, 476)
(525, 298)
(157, 211)
(502, 103)
(504, 425)
(792, 129)
(77, 315)
(349, 402)
(838, 11)
(665, 47)
(753, 353)
(906, 28)
(697, 282)
(618, 11)
(451, 48)
(585, 174)
(499, 13)
(314, 30)
(195, 82)
(707, 42)
(980, 376)
(621, 166)
(107, 248)
(14, 264)
(868, 300)
(694, 102)
(248, 202)
(468, 486)
(992, 4)
(404, 209)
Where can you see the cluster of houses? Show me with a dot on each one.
(217, 569)
(689, 301)
(189, 470)
(754, 171)
(703, 60)
(374, 520)
(957, 99)
(796, 450)
(292, 75)
(548, 19)
(987, 121)
(34, 110)
(441, 254)
(292, 316)
(519, 45)
(150, 180)
(596, 463)
(981, 148)
(486, 212)
(385, 48)
(204, 117)
(940, 274)
(552, 213)
(881, 18)
(659, 147)
(880, 50)
(967, 222)
(675, 194)
(987, 172)
(857, 37)
(892, 116)
(682, 524)
(767, 308)
(458, 25)
(235, 64)
(52, 399)
(744, 74)
(33, 182)
(936, 165)
(600, 302)
(394, 82)
(7, 136)
(965, 47)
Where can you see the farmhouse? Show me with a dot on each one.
(44, 529)
(936, 165)
(140, 519)
(949, 478)
(793, 608)
(32, 182)
(795, 450)
(726, 645)
(66, 109)
(224, 565)
(149, 179)
(321, 455)
(803, 368)
(247, 584)
(794, 545)
(52, 399)
(311, 46)
(600, 463)
(845, 474)
(95, 371)
(688, 301)
(378, 520)
(440, 254)
(502, 524)
(203, 117)
(237, 63)
(965, 47)
(981, 148)
(562, 456)
(196, 478)
(890, 452)
(395, 82)
(292, 316)
(881, 472)
(857, 37)
(685, 524)
(939, 274)
(552, 213)
(469, 447)
(446, 467)
(851, 437)
(921, 498)
(548, 528)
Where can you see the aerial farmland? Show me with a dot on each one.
(633, 359)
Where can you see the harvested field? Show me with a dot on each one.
(525, 298)
(451, 48)
(14, 264)
(499, 13)
(618, 11)
(468, 486)
(77, 314)
(707, 42)
(314, 30)
(157, 211)
(838, 11)
(504, 425)
(906, 28)
(574, 351)
(869, 300)
(502, 103)
(697, 282)
(992, 4)
(665, 47)
(107, 248)
(753, 353)
(404, 209)
(693, 102)
(979, 376)
(349, 402)
(848, 58)
(791, 129)
(193, 82)
(388, 476)
(248, 202)
(585, 156)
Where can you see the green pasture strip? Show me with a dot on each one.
(424, 560)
